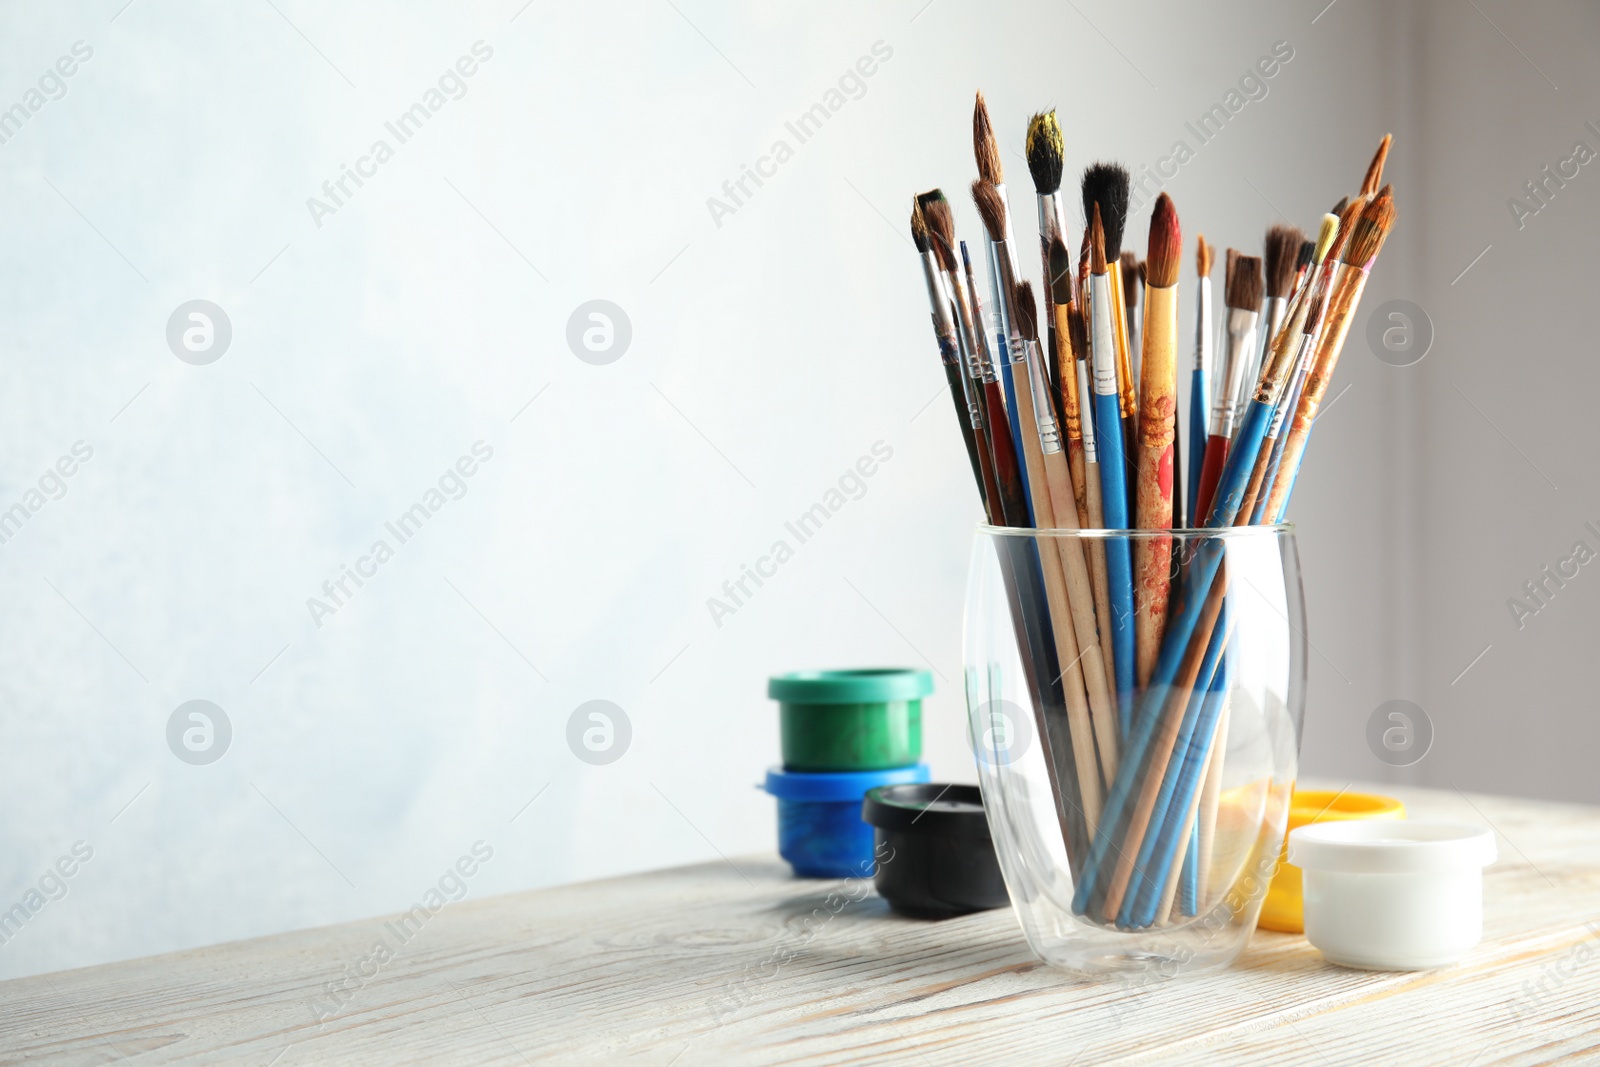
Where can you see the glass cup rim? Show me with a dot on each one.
(1279, 529)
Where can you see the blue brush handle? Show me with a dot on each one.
(1192, 774)
(1189, 888)
(1158, 849)
(1290, 401)
(1196, 586)
(1197, 443)
(1119, 554)
(1295, 477)
(1241, 463)
(1188, 606)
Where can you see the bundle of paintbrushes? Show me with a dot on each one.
(1069, 409)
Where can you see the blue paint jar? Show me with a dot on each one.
(820, 829)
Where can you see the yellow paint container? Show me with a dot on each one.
(1282, 909)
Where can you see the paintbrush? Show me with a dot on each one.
(1132, 802)
(1128, 269)
(1281, 250)
(1105, 186)
(1242, 294)
(1010, 508)
(944, 332)
(1063, 304)
(1043, 148)
(1113, 464)
(1019, 570)
(1147, 811)
(1367, 235)
(1097, 671)
(986, 153)
(1144, 886)
(1302, 265)
(1197, 381)
(1161, 850)
(989, 199)
(1272, 446)
(1066, 575)
(1374, 175)
(1094, 507)
(1158, 402)
(1002, 263)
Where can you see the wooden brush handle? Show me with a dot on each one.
(1080, 732)
(1161, 752)
(1080, 598)
(1152, 557)
(1335, 326)
(1100, 575)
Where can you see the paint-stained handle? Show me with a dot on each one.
(1210, 475)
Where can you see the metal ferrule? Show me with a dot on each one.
(939, 301)
(1000, 321)
(974, 339)
(1102, 336)
(1011, 237)
(1091, 452)
(971, 377)
(1052, 224)
(1002, 257)
(1241, 342)
(1203, 332)
(1043, 409)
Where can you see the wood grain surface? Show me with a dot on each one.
(740, 963)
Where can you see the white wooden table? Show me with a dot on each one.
(709, 964)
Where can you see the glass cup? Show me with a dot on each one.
(1136, 746)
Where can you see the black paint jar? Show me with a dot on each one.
(935, 856)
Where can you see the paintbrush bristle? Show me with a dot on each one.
(1325, 237)
(941, 224)
(1165, 255)
(991, 208)
(1106, 185)
(919, 228)
(1352, 212)
(1097, 242)
(1319, 304)
(1027, 311)
(1338, 209)
(1243, 289)
(1228, 261)
(1302, 259)
(1369, 184)
(1283, 245)
(1130, 279)
(1143, 279)
(1060, 273)
(1203, 255)
(1370, 230)
(984, 145)
(1078, 328)
(1044, 149)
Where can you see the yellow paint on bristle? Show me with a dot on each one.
(1325, 236)
(1048, 127)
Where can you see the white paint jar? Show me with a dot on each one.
(1402, 895)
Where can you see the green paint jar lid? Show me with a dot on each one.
(865, 686)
